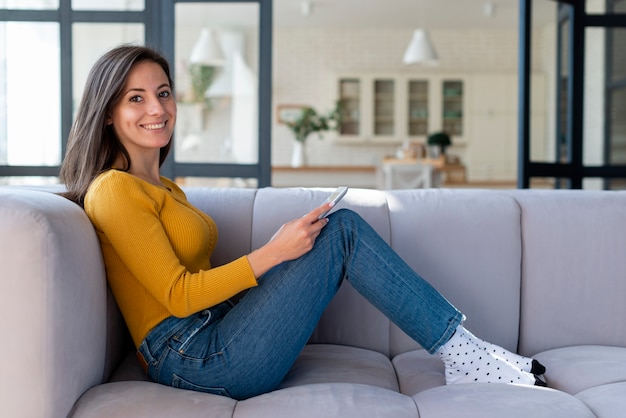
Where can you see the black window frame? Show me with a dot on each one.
(157, 18)
(571, 170)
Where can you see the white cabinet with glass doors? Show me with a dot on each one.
(392, 108)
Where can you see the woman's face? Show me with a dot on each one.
(144, 117)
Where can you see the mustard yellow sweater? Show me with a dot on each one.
(156, 248)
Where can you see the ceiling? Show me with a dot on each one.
(408, 14)
(370, 14)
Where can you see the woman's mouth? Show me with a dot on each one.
(154, 126)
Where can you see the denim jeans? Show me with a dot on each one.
(247, 349)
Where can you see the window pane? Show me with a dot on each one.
(350, 96)
(29, 4)
(453, 107)
(616, 184)
(545, 85)
(108, 4)
(30, 114)
(596, 183)
(616, 42)
(617, 126)
(418, 108)
(250, 183)
(605, 97)
(91, 40)
(216, 59)
(28, 181)
(605, 7)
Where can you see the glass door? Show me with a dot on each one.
(453, 107)
(418, 108)
(222, 64)
(350, 98)
(384, 99)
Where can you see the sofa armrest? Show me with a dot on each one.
(52, 304)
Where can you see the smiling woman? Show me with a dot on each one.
(157, 248)
(143, 120)
(125, 120)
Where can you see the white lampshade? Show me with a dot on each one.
(207, 51)
(420, 49)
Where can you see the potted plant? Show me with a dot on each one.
(438, 142)
(201, 79)
(309, 122)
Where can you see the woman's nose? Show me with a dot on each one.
(155, 107)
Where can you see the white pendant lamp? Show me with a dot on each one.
(420, 50)
(207, 51)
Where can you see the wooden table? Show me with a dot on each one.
(452, 173)
(363, 176)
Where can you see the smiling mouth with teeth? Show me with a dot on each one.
(153, 126)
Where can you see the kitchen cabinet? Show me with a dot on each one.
(393, 108)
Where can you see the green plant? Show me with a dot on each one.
(201, 78)
(440, 139)
(309, 121)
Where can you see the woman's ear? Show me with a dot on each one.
(109, 120)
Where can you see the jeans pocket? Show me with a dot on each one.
(180, 383)
(181, 339)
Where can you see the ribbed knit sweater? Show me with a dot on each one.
(156, 248)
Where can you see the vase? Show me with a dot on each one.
(434, 151)
(298, 157)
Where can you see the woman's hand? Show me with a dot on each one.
(291, 241)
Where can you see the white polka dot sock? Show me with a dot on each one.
(469, 360)
(524, 363)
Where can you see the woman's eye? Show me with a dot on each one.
(165, 94)
(135, 99)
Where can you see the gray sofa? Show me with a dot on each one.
(539, 272)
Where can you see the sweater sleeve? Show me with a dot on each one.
(129, 221)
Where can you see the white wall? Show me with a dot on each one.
(307, 62)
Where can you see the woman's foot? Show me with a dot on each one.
(524, 363)
(469, 359)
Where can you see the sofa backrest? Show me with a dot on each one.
(466, 243)
(556, 257)
(574, 269)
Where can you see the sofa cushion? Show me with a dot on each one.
(231, 209)
(328, 400)
(606, 401)
(328, 363)
(150, 400)
(573, 283)
(466, 243)
(418, 370)
(575, 369)
(489, 400)
(349, 319)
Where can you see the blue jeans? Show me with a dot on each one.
(247, 349)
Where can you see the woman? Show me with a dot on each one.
(156, 248)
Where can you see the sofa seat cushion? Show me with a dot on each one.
(578, 368)
(417, 371)
(146, 399)
(343, 400)
(328, 363)
(606, 401)
(495, 400)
